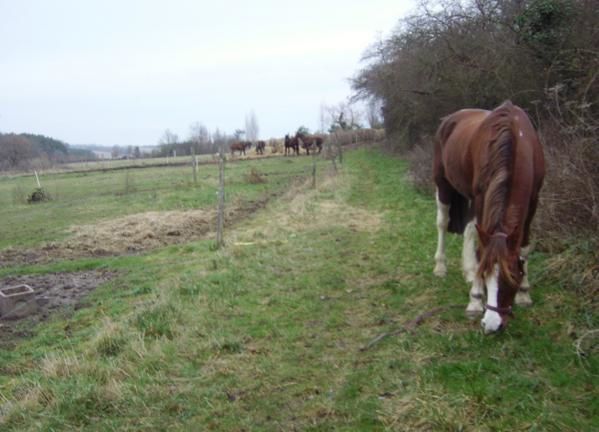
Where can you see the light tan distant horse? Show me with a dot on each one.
(488, 168)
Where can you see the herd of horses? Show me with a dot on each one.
(292, 145)
(242, 146)
(307, 142)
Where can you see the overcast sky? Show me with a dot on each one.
(121, 72)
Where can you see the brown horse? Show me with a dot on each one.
(240, 146)
(488, 168)
(260, 146)
(309, 141)
(291, 145)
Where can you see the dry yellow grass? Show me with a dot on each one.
(141, 231)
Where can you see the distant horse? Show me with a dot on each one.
(488, 168)
(291, 145)
(240, 146)
(260, 146)
(309, 141)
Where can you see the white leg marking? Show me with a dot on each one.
(470, 265)
(469, 261)
(475, 306)
(491, 320)
(442, 223)
(523, 295)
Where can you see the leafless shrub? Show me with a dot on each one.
(255, 177)
(38, 195)
(421, 167)
(570, 196)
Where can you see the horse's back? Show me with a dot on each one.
(456, 147)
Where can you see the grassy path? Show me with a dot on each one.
(266, 334)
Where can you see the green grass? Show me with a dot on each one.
(266, 333)
(84, 198)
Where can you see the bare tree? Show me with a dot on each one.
(373, 113)
(168, 138)
(15, 150)
(252, 130)
(238, 133)
(199, 137)
(343, 116)
(323, 118)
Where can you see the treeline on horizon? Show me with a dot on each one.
(23, 151)
(540, 54)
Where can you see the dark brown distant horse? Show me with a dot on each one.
(309, 141)
(240, 146)
(291, 145)
(260, 146)
(488, 168)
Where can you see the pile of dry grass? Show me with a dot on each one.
(139, 232)
(420, 159)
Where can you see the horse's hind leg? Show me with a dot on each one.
(470, 265)
(442, 223)
(523, 295)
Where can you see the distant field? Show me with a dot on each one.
(106, 164)
(87, 197)
(268, 333)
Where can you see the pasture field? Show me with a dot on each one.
(87, 197)
(107, 164)
(268, 333)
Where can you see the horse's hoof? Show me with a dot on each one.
(440, 271)
(523, 300)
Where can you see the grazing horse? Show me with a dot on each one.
(260, 146)
(291, 145)
(489, 167)
(240, 146)
(309, 141)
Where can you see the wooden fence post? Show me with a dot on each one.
(330, 152)
(221, 196)
(37, 179)
(339, 150)
(313, 169)
(194, 165)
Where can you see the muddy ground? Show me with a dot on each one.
(54, 292)
(64, 292)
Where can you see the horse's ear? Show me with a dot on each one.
(482, 235)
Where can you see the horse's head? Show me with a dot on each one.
(502, 269)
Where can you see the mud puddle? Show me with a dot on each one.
(55, 292)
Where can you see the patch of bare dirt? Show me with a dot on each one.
(53, 292)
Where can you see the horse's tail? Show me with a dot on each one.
(496, 177)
